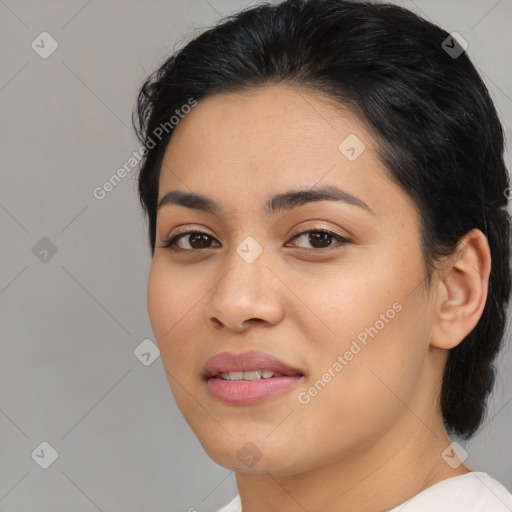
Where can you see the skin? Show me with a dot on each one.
(373, 436)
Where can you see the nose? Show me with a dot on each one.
(246, 294)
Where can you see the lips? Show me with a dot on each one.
(246, 378)
(248, 361)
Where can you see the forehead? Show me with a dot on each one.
(252, 144)
(286, 122)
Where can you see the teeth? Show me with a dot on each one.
(252, 375)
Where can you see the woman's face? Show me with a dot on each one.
(346, 312)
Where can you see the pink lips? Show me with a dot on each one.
(242, 392)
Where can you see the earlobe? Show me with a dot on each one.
(461, 291)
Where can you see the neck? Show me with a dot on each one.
(399, 465)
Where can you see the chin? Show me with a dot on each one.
(244, 456)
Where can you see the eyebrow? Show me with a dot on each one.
(275, 204)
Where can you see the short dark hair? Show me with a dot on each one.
(437, 130)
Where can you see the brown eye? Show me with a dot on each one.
(196, 240)
(320, 238)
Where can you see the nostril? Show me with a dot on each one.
(216, 323)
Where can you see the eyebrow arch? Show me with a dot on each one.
(277, 203)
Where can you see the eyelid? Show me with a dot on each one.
(302, 230)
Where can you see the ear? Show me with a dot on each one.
(461, 290)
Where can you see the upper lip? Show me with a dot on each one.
(250, 360)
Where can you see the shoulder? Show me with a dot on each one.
(235, 505)
(474, 491)
(471, 492)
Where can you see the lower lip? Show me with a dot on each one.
(241, 392)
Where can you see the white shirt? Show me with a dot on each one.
(472, 492)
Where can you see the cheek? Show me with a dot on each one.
(381, 333)
(349, 301)
(171, 305)
(173, 310)
(376, 309)
(355, 399)
(159, 300)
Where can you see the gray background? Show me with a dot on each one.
(70, 322)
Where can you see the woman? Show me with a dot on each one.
(326, 194)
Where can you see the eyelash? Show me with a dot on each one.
(168, 244)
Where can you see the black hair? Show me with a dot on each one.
(437, 130)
